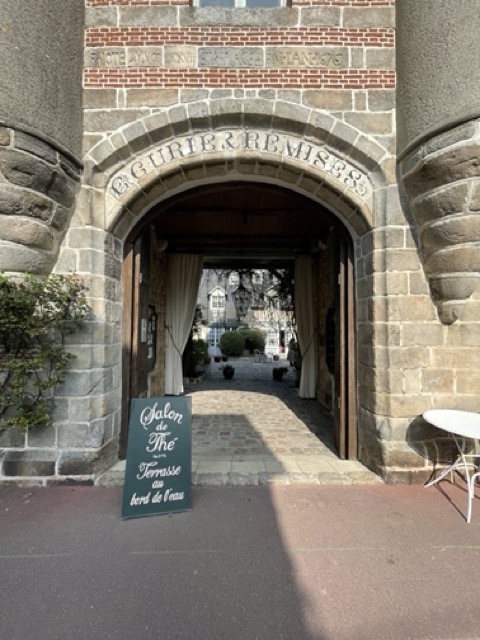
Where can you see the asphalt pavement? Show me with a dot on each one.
(356, 562)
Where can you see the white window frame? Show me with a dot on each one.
(214, 335)
(220, 301)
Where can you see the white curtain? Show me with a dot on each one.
(304, 312)
(183, 281)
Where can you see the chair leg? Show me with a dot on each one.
(471, 494)
(470, 498)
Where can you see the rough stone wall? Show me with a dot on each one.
(157, 73)
(38, 187)
(172, 62)
(438, 149)
(439, 141)
(408, 361)
(333, 57)
(40, 130)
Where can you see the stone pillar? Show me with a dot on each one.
(41, 128)
(438, 138)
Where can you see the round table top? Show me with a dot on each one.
(461, 423)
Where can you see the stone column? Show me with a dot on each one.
(438, 137)
(41, 63)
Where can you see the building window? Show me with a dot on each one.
(257, 277)
(214, 335)
(235, 4)
(234, 279)
(217, 301)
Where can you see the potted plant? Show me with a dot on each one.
(228, 371)
(278, 373)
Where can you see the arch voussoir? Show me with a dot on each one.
(285, 143)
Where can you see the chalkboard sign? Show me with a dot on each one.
(159, 457)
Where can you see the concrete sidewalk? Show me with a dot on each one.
(269, 563)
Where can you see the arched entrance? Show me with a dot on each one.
(162, 158)
(245, 224)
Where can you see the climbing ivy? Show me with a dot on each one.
(36, 313)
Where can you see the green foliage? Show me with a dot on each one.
(232, 343)
(36, 314)
(195, 355)
(200, 351)
(196, 349)
(254, 339)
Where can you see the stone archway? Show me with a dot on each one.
(237, 225)
(166, 154)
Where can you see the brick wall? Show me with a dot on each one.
(158, 44)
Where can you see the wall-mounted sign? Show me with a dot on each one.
(159, 457)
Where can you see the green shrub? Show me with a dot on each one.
(195, 354)
(232, 343)
(200, 351)
(36, 313)
(254, 339)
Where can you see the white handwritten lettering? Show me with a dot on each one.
(172, 496)
(136, 501)
(150, 414)
(160, 442)
(147, 470)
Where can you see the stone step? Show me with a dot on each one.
(261, 472)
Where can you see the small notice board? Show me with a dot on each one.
(159, 457)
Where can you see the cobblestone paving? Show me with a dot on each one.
(255, 430)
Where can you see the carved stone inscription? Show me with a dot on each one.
(229, 143)
(180, 57)
(113, 57)
(230, 57)
(177, 57)
(306, 57)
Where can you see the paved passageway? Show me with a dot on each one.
(254, 430)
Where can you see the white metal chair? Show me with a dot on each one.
(259, 356)
(459, 425)
(471, 493)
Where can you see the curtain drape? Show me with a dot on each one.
(183, 281)
(304, 312)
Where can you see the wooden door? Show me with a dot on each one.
(345, 360)
(134, 328)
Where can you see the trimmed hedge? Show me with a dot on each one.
(254, 339)
(232, 343)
